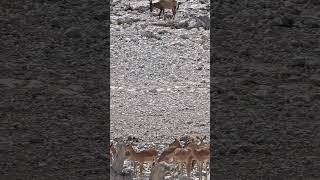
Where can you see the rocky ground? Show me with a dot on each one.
(160, 71)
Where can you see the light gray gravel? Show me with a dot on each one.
(159, 71)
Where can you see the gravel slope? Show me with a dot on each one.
(159, 72)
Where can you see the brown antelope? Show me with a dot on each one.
(148, 155)
(166, 155)
(195, 136)
(201, 155)
(202, 146)
(183, 156)
(176, 143)
(165, 4)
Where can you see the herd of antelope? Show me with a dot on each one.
(194, 150)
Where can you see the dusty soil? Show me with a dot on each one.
(265, 60)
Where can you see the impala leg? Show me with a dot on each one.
(141, 169)
(172, 174)
(160, 13)
(201, 166)
(179, 167)
(189, 168)
(173, 12)
(207, 169)
(198, 168)
(134, 167)
(182, 167)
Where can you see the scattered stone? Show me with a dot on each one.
(181, 24)
(199, 21)
(184, 36)
(199, 68)
(11, 83)
(141, 6)
(315, 78)
(74, 87)
(233, 150)
(315, 96)
(67, 92)
(284, 21)
(34, 84)
(246, 147)
(301, 61)
(42, 164)
(262, 91)
(154, 90)
(300, 98)
(126, 20)
(150, 34)
(204, 1)
(73, 32)
(311, 22)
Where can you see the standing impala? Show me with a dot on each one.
(165, 4)
(200, 154)
(148, 155)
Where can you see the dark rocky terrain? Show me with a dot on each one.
(54, 91)
(265, 118)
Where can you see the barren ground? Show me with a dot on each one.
(159, 72)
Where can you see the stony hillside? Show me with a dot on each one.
(159, 72)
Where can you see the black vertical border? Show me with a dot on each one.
(54, 84)
(264, 118)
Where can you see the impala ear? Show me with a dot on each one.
(177, 138)
(150, 5)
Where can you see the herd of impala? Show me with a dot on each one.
(194, 150)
